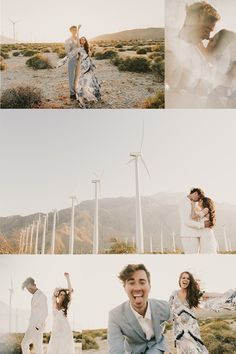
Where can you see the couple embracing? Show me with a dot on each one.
(83, 83)
(197, 213)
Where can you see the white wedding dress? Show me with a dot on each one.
(208, 242)
(61, 340)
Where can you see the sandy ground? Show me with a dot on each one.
(78, 349)
(119, 89)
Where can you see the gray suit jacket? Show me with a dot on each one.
(125, 333)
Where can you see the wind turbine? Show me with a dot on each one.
(27, 239)
(72, 225)
(225, 239)
(136, 157)
(37, 235)
(11, 291)
(45, 219)
(97, 184)
(55, 214)
(31, 237)
(14, 28)
(162, 247)
(173, 241)
(151, 245)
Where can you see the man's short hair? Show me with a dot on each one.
(200, 8)
(129, 270)
(199, 191)
(27, 282)
(72, 27)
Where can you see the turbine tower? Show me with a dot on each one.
(53, 231)
(11, 291)
(173, 241)
(151, 245)
(72, 225)
(45, 219)
(162, 247)
(14, 28)
(225, 239)
(31, 237)
(136, 157)
(97, 184)
(37, 235)
(27, 239)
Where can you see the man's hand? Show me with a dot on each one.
(207, 223)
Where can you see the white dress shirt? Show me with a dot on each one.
(39, 310)
(145, 322)
(189, 227)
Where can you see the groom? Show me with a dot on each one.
(39, 312)
(190, 229)
(135, 326)
(70, 44)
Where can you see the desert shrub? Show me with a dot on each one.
(156, 101)
(121, 50)
(29, 53)
(108, 54)
(11, 343)
(219, 337)
(159, 68)
(120, 247)
(138, 65)
(61, 54)
(141, 51)
(38, 62)
(21, 97)
(77, 337)
(3, 65)
(47, 50)
(16, 54)
(5, 55)
(89, 342)
(154, 55)
(119, 45)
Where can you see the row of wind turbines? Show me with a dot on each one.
(27, 245)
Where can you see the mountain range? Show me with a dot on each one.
(116, 220)
(152, 33)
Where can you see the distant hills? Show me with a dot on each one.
(116, 219)
(151, 33)
(7, 40)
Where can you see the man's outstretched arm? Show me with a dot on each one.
(115, 336)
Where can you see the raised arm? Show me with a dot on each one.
(67, 276)
(78, 38)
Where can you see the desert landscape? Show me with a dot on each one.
(129, 67)
(218, 334)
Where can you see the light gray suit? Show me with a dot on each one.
(70, 46)
(125, 335)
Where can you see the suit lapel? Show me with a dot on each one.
(155, 318)
(132, 320)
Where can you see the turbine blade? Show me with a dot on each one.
(130, 161)
(145, 165)
(142, 138)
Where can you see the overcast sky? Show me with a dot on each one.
(48, 21)
(48, 155)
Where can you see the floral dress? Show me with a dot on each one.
(88, 86)
(186, 329)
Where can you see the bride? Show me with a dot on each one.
(205, 210)
(61, 340)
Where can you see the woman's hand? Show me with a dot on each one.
(79, 26)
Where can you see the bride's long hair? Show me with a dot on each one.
(209, 204)
(66, 301)
(193, 291)
(85, 45)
